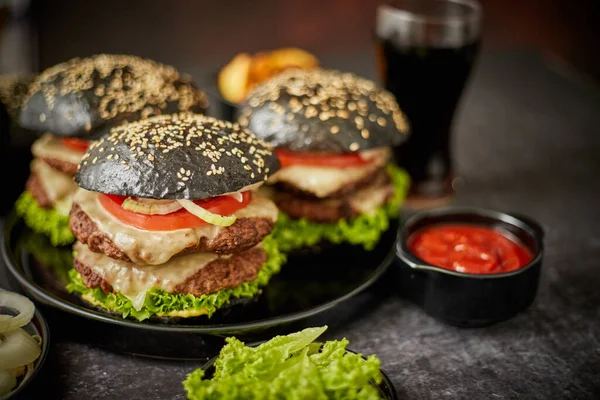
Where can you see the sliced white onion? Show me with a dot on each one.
(150, 206)
(18, 348)
(372, 154)
(206, 215)
(138, 300)
(249, 188)
(237, 196)
(7, 382)
(18, 303)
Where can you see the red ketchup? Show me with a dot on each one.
(468, 248)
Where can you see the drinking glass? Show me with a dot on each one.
(425, 51)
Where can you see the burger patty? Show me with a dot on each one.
(345, 190)
(63, 166)
(223, 273)
(36, 188)
(243, 234)
(329, 210)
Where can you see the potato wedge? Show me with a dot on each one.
(233, 78)
(293, 57)
(245, 71)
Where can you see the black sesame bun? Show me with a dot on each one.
(324, 110)
(13, 89)
(86, 97)
(179, 156)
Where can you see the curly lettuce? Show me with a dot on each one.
(59, 260)
(365, 229)
(160, 303)
(290, 367)
(45, 221)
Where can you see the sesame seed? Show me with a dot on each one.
(313, 93)
(122, 84)
(174, 131)
(354, 146)
(334, 129)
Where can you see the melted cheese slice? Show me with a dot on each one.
(49, 146)
(59, 187)
(369, 199)
(133, 281)
(323, 181)
(157, 247)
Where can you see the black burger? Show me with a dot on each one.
(167, 221)
(333, 132)
(79, 100)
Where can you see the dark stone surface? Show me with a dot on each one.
(526, 141)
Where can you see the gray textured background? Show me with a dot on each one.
(527, 140)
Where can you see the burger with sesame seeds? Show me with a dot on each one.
(332, 132)
(167, 221)
(79, 100)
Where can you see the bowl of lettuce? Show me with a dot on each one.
(294, 366)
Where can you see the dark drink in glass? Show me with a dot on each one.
(425, 50)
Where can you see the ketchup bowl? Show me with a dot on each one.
(478, 283)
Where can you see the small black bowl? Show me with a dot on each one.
(464, 299)
(39, 327)
(386, 387)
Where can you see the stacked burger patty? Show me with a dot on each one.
(79, 100)
(167, 220)
(332, 132)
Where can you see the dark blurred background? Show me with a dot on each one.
(197, 36)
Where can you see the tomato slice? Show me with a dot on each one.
(343, 160)
(180, 219)
(76, 144)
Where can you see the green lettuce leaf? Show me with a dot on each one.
(287, 367)
(161, 303)
(365, 230)
(261, 361)
(59, 260)
(347, 375)
(45, 221)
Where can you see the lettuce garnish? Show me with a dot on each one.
(45, 221)
(290, 367)
(160, 303)
(365, 230)
(58, 260)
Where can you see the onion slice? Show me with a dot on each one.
(206, 215)
(18, 348)
(16, 302)
(237, 196)
(7, 382)
(151, 207)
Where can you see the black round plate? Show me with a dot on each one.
(386, 387)
(307, 285)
